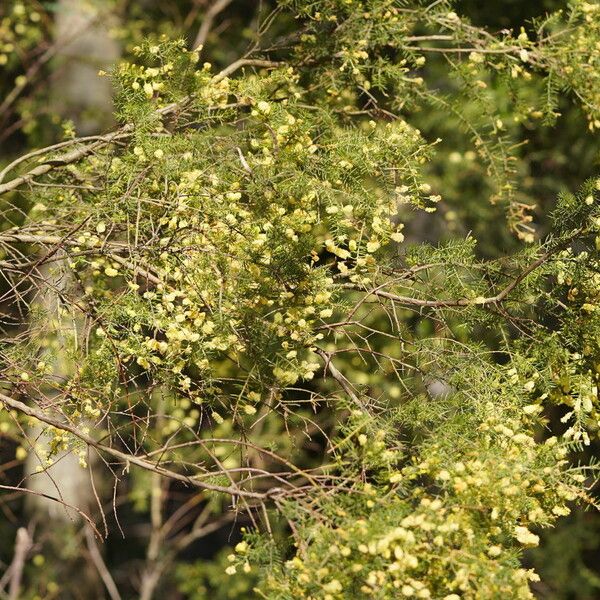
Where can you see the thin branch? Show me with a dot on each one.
(245, 62)
(23, 544)
(121, 133)
(104, 573)
(114, 247)
(130, 458)
(64, 159)
(502, 295)
(13, 488)
(46, 150)
(211, 14)
(339, 377)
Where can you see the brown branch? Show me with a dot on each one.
(460, 302)
(13, 488)
(130, 458)
(245, 62)
(114, 247)
(339, 377)
(23, 544)
(64, 159)
(211, 14)
(104, 140)
(104, 573)
(46, 150)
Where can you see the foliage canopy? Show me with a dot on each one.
(230, 290)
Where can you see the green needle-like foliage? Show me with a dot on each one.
(244, 303)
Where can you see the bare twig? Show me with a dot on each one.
(64, 159)
(54, 499)
(245, 62)
(128, 458)
(337, 375)
(460, 302)
(104, 573)
(23, 543)
(215, 8)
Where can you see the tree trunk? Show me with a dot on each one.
(79, 94)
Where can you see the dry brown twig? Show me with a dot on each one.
(216, 7)
(129, 458)
(96, 558)
(14, 573)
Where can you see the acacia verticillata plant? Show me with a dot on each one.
(236, 310)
